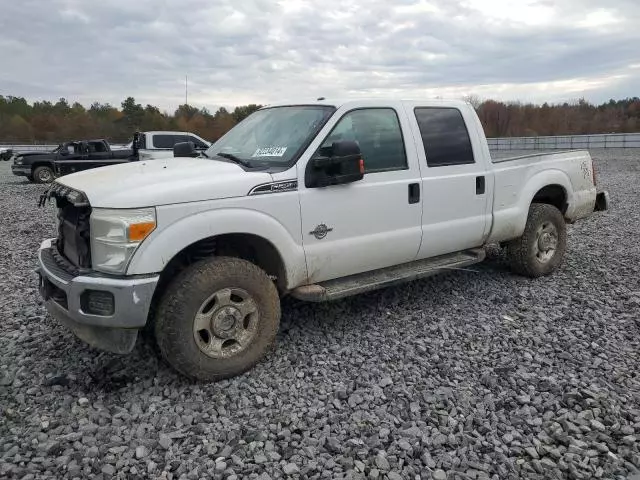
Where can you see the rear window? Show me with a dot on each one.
(163, 141)
(444, 136)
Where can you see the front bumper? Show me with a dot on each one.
(21, 170)
(65, 296)
(602, 201)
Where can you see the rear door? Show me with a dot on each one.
(371, 223)
(456, 205)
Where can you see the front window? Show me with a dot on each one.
(377, 131)
(273, 136)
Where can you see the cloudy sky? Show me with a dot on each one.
(246, 51)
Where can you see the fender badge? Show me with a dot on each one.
(321, 231)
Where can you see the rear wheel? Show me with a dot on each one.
(542, 246)
(217, 319)
(43, 174)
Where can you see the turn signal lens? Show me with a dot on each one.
(140, 231)
(362, 166)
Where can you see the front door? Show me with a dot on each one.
(98, 151)
(374, 222)
(70, 158)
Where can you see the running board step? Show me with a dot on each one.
(385, 277)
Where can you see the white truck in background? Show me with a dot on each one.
(159, 144)
(318, 200)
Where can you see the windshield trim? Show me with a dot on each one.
(330, 109)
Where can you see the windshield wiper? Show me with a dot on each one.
(233, 158)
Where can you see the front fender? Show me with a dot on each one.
(164, 244)
(510, 220)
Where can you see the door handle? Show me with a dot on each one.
(414, 192)
(480, 185)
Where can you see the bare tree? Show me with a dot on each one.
(474, 100)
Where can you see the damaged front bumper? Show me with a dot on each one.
(104, 311)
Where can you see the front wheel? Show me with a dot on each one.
(217, 319)
(542, 246)
(43, 175)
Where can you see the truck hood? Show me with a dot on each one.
(34, 156)
(163, 182)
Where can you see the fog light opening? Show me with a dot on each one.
(97, 302)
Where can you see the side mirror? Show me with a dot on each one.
(339, 164)
(185, 149)
(64, 151)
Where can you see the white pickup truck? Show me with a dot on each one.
(159, 144)
(316, 200)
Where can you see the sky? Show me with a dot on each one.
(236, 52)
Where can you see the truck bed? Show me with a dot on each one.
(564, 175)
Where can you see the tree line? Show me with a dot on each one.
(515, 119)
(47, 122)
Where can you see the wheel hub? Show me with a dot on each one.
(546, 242)
(224, 322)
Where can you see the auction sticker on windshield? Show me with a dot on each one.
(269, 152)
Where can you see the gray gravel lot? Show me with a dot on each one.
(468, 375)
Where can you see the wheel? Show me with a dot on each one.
(43, 175)
(542, 246)
(217, 318)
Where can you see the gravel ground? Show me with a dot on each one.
(468, 375)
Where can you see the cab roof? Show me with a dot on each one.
(167, 132)
(338, 102)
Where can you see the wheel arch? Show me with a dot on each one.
(243, 233)
(552, 194)
(552, 187)
(41, 163)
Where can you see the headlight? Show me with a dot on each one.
(18, 160)
(116, 234)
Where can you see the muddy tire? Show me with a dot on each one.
(542, 246)
(217, 318)
(43, 175)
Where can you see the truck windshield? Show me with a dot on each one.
(272, 136)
